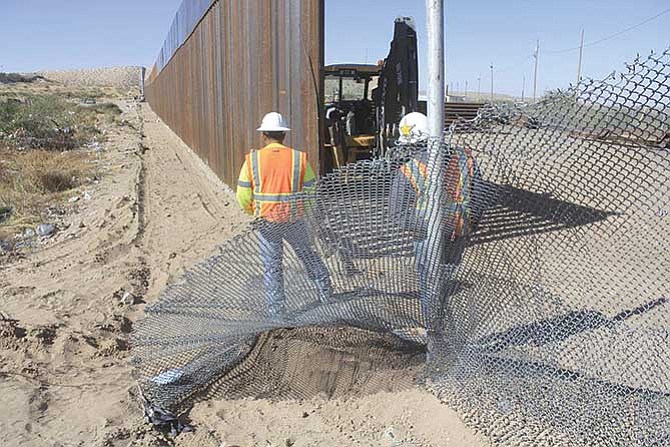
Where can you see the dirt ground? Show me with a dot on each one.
(68, 309)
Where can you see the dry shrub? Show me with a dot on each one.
(56, 181)
(31, 181)
(40, 134)
(45, 121)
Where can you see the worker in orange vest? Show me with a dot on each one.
(409, 204)
(271, 187)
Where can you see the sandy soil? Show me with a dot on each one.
(68, 309)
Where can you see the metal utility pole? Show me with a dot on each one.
(523, 88)
(436, 71)
(581, 53)
(435, 16)
(491, 82)
(537, 56)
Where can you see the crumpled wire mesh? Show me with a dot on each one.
(552, 328)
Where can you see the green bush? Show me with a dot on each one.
(46, 122)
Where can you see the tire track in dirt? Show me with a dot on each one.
(64, 342)
(187, 210)
(71, 305)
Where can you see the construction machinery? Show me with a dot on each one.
(364, 103)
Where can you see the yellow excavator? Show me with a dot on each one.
(350, 115)
(364, 103)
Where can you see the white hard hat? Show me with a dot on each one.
(413, 128)
(274, 122)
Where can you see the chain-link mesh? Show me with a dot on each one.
(543, 284)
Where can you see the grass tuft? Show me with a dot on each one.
(40, 132)
(31, 181)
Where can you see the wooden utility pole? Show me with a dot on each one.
(537, 57)
(581, 53)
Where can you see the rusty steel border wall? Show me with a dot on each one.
(185, 21)
(220, 72)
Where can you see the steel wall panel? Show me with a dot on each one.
(186, 19)
(241, 59)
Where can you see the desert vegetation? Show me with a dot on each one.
(49, 144)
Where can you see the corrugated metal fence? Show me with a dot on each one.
(226, 63)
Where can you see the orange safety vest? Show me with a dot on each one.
(458, 177)
(277, 176)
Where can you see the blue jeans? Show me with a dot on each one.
(272, 237)
(451, 258)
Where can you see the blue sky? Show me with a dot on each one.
(37, 34)
(504, 32)
(50, 34)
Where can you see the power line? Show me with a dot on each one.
(611, 36)
(511, 66)
(581, 46)
(514, 65)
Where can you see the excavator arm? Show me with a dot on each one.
(398, 90)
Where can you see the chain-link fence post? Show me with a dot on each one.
(436, 72)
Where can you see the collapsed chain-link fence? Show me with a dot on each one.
(547, 305)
